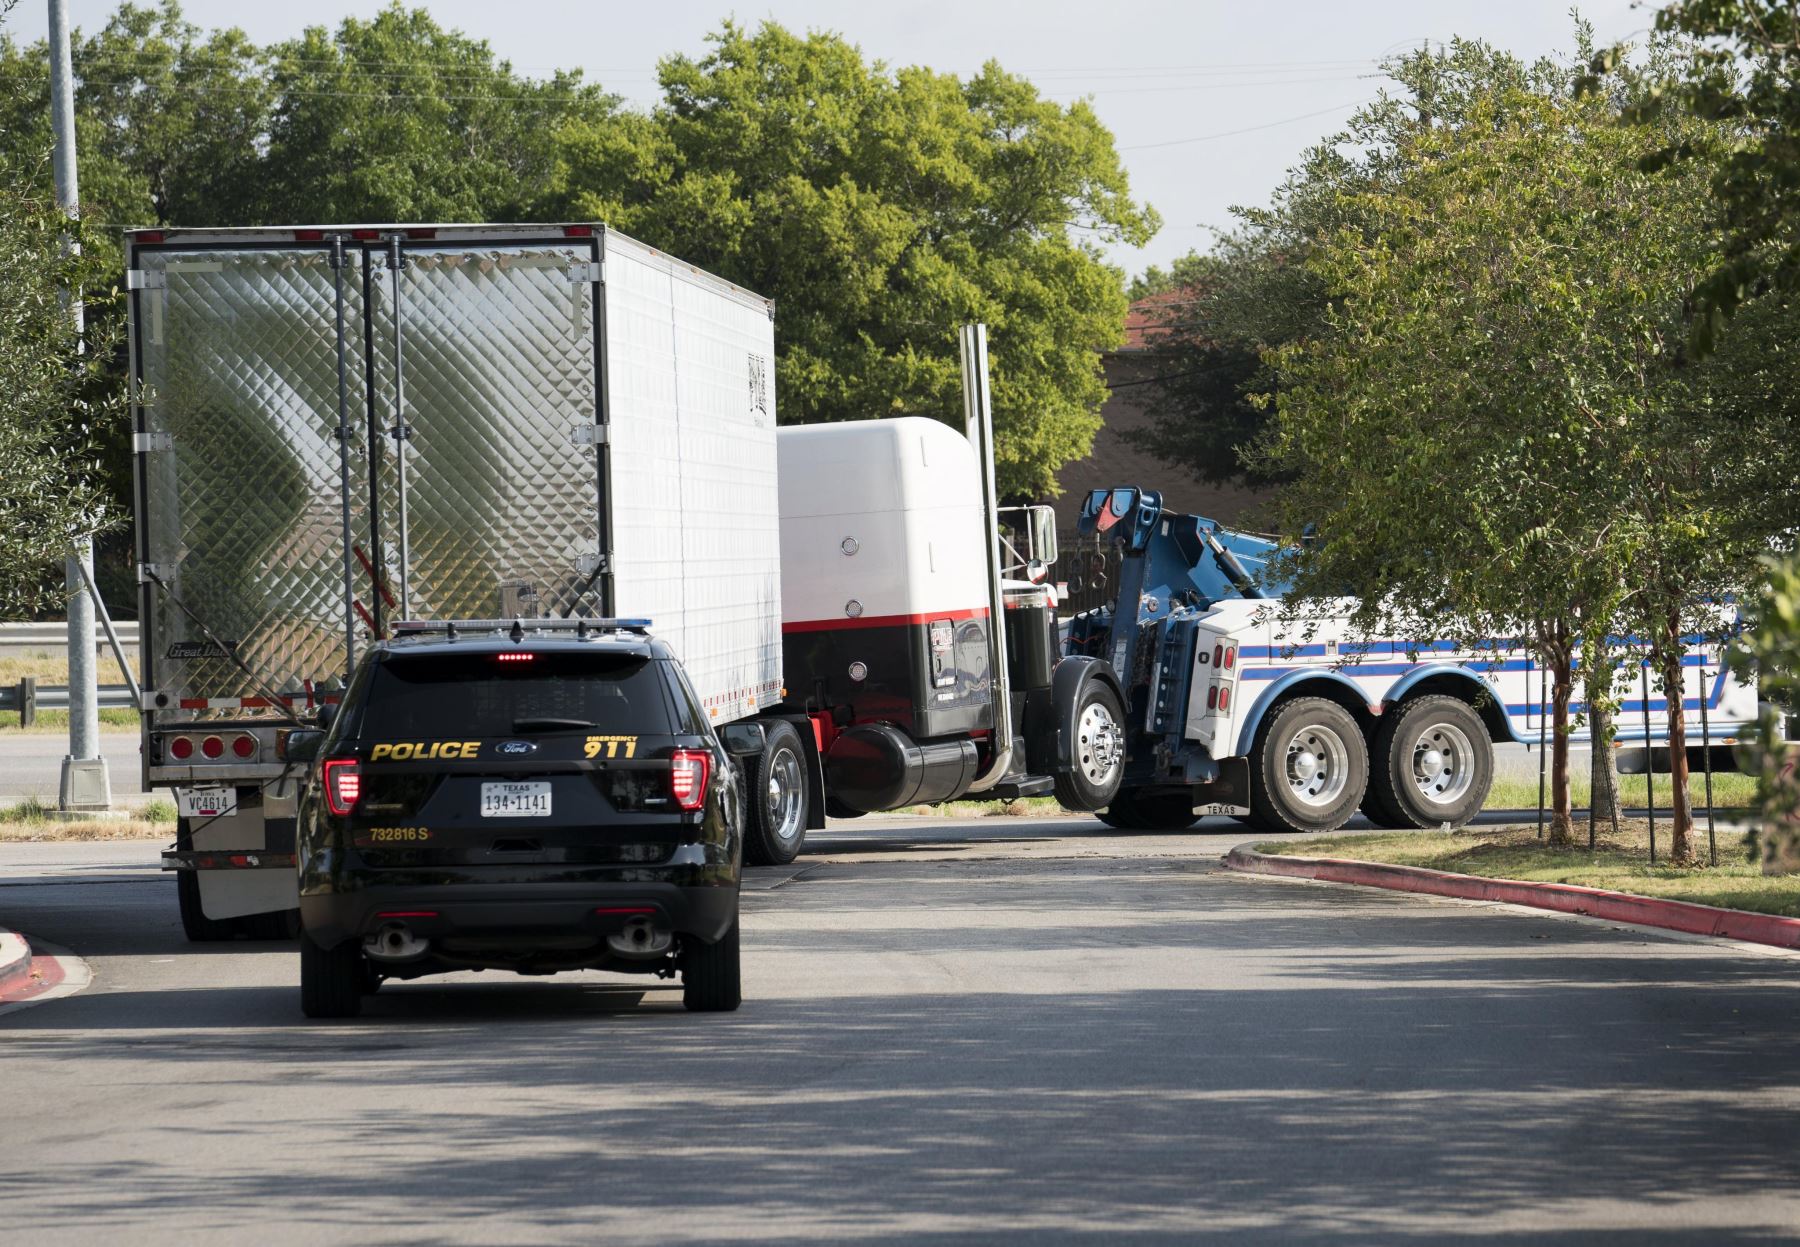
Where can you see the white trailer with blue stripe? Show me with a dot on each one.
(1233, 710)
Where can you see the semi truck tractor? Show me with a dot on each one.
(1234, 707)
(341, 429)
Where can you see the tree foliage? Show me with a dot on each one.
(881, 208)
(1496, 429)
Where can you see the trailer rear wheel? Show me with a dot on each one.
(1434, 763)
(198, 928)
(710, 979)
(1310, 767)
(331, 979)
(776, 822)
(1097, 754)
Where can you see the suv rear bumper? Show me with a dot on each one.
(598, 909)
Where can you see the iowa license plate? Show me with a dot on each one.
(516, 800)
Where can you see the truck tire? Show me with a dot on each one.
(331, 979)
(1309, 768)
(710, 981)
(1375, 805)
(1139, 810)
(1434, 763)
(775, 812)
(198, 928)
(1097, 762)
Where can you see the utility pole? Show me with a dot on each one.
(84, 780)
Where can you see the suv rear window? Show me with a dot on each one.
(525, 693)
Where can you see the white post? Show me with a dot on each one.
(84, 781)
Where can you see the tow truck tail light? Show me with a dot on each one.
(688, 772)
(343, 785)
(1230, 657)
(1224, 698)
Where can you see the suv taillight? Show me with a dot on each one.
(343, 785)
(688, 771)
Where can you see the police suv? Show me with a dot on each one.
(529, 796)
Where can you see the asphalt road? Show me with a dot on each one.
(1007, 1030)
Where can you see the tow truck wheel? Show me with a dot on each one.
(194, 923)
(1097, 762)
(776, 828)
(1309, 768)
(331, 979)
(1434, 763)
(709, 975)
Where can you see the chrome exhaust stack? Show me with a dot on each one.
(978, 417)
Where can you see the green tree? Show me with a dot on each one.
(57, 401)
(1256, 290)
(398, 119)
(881, 209)
(1488, 433)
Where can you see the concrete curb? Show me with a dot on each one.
(15, 962)
(1567, 898)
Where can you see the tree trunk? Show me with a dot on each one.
(1681, 814)
(1562, 684)
(1604, 770)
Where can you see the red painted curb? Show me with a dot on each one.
(1567, 898)
(15, 963)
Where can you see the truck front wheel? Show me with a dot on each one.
(777, 799)
(1433, 764)
(1310, 767)
(1096, 765)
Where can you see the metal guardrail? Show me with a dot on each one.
(54, 634)
(27, 697)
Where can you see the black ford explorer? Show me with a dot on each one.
(526, 797)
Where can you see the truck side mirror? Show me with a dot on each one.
(301, 745)
(1042, 523)
(744, 738)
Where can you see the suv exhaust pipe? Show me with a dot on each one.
(395, 942)
(640, 938)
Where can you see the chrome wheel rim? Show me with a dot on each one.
(1443, 763)
(786, 795)
(1317, 766)
(1098, 744)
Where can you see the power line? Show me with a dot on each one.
(1267, 125)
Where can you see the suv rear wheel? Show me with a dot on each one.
(331, 979)
(709, 974)
(777, 799)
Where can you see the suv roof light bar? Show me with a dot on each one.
(454, 628)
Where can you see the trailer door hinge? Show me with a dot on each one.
(591, 270)
(589, 435)
(144, 443)
(146, 572)
(588, 564)
(145, 279)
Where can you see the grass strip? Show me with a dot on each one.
(1619, 863)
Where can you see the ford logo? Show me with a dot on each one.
(516, 747)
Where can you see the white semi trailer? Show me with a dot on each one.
(338, 428)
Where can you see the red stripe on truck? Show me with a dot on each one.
(879, 621)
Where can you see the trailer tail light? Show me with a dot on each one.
(244, 746)
(343, 785)
(213, 747)
(181, 748)
(688, 771)
(578, 231)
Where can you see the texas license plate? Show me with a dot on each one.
(207, 802)
(516, 800)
